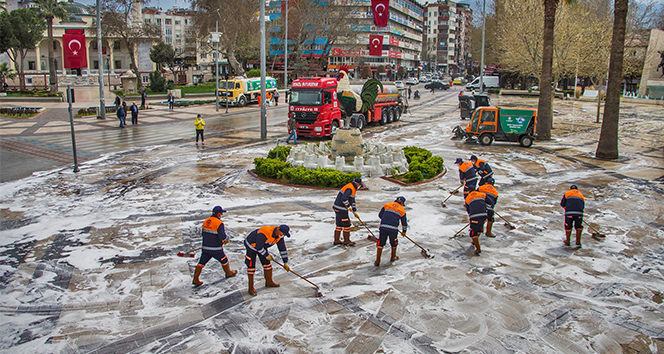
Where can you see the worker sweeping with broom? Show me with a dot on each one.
(257, 244)
(574, 203)
(391, 214)
(214, 237)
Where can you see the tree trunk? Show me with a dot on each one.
(232, 61)
(607, 148)
(133, 66)
(52, 79)
(545, 104)
(21, 66)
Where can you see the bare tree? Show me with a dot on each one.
(122, 21)
(238, 24)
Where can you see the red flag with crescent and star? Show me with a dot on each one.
(75, 53)
(380, 12)
(376, 44)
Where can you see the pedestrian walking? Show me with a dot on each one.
(256, 244)
(391, 214)
(573, 202)
(276, 97)
(475, 205)
(124, 106)
(482, 168)
(258, 97)
(409, 92)
(345, 200)
(171, 100)
(121, 113)
(214, 237)
(200, 129)
(134, 113)
(467, 175)
(491, 200)
(144, 96)
(117, 101)
(292, 129)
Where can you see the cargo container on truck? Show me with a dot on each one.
(315, 105)
(242, 91)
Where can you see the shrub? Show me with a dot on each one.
(157, 82)
(283, 153)
(270, 168)
(413, 176)
(493, 90)
(421, 164)
(254, 73)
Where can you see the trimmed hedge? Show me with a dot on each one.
(275, 167)
(421, 164)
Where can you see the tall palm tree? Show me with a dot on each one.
(50, 9)
(607, 148)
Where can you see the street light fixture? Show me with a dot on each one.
(215, 38)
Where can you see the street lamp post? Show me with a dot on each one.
(108, 68)
(102, 101)
(216, 68)
(482, 61)
(286, 49)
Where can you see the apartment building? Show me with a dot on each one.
(402, 37)
(447, 36)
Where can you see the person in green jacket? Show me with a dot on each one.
(200, 127)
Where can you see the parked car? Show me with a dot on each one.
(458, 81)
(412, 81)
(399, 84)
(424, 79)
(437, 85)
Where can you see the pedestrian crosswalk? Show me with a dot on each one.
(92, 144)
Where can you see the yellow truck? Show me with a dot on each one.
(240, 91)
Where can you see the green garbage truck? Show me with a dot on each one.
(513, 124)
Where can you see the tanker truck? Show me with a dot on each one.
(314, 104)
(240, 91)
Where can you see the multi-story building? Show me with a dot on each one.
(116, 59)
(402, 37)
(447, 36)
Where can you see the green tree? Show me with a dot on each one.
(48, 10)
(165, 56)
(22, 29)
(607, 148)
(6, 72)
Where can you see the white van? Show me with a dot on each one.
(489, 82)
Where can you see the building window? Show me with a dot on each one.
(177, 22)
(32, 65)
(168, 31)
(168, 21)
(169, 40)
(94, 45)
(186, 22)
(116, 45)
(146, 79)
(118, 64)
(178, 41)
(95, 64)
(159, 21)
(147, 20)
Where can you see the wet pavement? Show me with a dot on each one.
(89, 261)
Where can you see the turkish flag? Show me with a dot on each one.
(75, 51)
(380, 12)
(376, 45)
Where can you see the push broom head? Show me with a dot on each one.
(181, 254)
